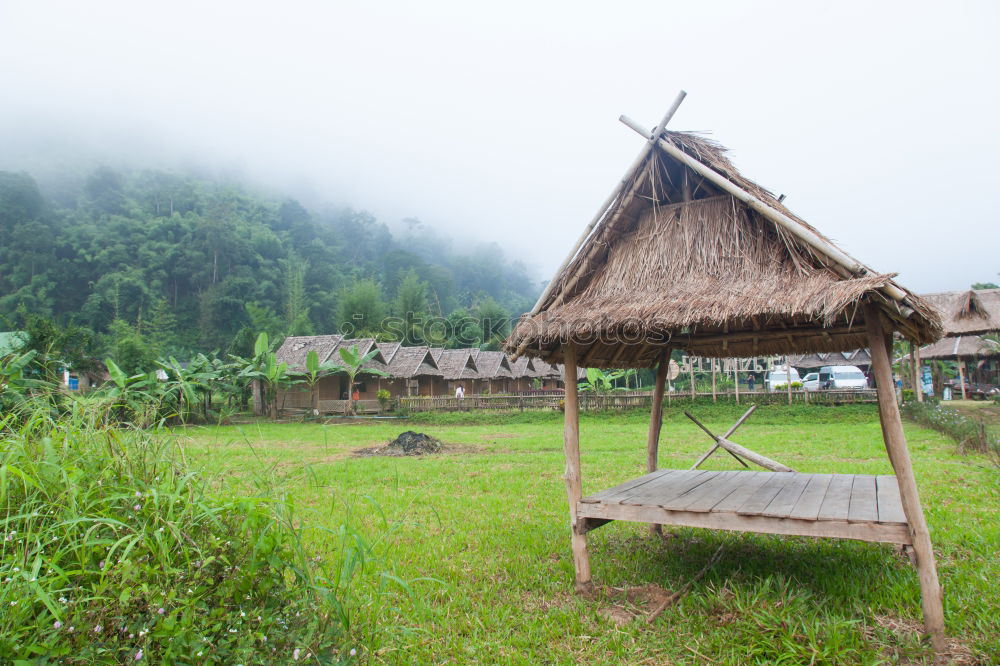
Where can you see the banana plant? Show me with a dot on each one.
(134, 397)
(352, 367)
(315, 371)
(269, 374)
(600, 381)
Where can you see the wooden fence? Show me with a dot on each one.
(621, 400)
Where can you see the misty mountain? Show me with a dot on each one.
(195, 262)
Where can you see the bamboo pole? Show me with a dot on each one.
(918, 364)
(736, 378)
(788, 374)
(714, 396)
(574, 483)
(810, 238)
(602, 211)
(691, 375)
(726, 435)
(899, 456)
(961, 375)
(656, 420)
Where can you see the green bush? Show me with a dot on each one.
(968, 433)
(112, 550)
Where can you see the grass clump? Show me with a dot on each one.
(112, 550)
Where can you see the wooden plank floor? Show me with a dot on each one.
(849, 506)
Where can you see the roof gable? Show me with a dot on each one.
(410, 362)
(455, 363)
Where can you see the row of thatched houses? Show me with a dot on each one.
(411, 371)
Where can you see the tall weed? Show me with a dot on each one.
(113, 550)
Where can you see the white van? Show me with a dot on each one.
(811, 381)
(842, 378)
(777, 379)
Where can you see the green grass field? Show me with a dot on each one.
(481, 534)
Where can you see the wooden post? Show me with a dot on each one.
(574, 483)
(899, 456)
(656, 419)
(961, 375)
(788, 374)
(714, 396)
(736, 378)
(691, 370)
(917, 372)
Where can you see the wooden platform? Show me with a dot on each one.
(845, 506)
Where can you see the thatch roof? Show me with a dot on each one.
(962, 346)
(678, 260)
(818, 360)
(389, 350)
(455, 364)
(410, 362)
(971, 312)
(295, 348)
(522, 367)
(493, 365)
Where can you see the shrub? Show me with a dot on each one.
(968, 433)
(112, 550)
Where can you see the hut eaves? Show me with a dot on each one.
(961, 347)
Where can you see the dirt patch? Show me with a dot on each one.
(408, 443)
(629, 603)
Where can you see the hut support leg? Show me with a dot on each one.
(714, 396)
(656, 420)
(899, 456)
(918, 387)
(574, 483)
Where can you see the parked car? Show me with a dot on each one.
(811, 381)
(842, 378)
(777, 379)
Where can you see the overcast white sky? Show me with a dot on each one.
(877, 119)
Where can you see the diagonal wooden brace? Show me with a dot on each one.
(736, 450)
(729, 432)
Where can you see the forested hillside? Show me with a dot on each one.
(179, 262)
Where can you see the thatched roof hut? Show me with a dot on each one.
(971, 312)
(456, 364)
(687, 253)
(961, 347)
(715, 265)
